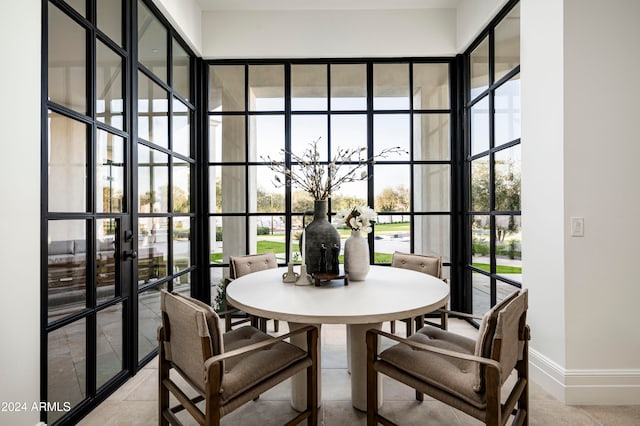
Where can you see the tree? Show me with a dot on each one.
(393, 200)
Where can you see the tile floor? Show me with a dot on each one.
(135, 403)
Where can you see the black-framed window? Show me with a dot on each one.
(493, 162)
(258, 108)
(101, 109)
(165, 158)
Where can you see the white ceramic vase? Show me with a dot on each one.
(356, 256)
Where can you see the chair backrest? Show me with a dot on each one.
(243, 265)
(191, 334)
(496, 337)
(508, 340)
(431, 265)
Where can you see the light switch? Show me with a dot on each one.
(577, 227)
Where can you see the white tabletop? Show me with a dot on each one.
(387, 294)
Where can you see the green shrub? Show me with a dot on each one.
(264, 230)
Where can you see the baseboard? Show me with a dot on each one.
(585, 387)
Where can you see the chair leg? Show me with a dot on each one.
(409, 326)
(163, 392)
(419, 396)
(227, 322)
(444, 320)
(393, 327)
(312, 377)
(276, 326)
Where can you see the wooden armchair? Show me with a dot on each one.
(431, 265)
(225, 370)
(463, 373)
(238, 267)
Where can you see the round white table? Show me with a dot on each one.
(386, 294)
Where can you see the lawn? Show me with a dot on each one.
(500, 269)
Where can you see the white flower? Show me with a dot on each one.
(359, 218)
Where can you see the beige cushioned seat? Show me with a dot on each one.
(464, 373)
(227, 370)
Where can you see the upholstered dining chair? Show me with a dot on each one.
(240, 266)
(431, 265)
(224, 370)
(465, 374)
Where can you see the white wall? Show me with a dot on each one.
(543, 225)
(602, 184)
(472, 17)
(185, 16)
(580, 150)
(326, 33)
(20, 197)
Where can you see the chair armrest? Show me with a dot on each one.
(485, 361)
(255, 346)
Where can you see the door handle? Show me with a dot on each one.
(129, 254)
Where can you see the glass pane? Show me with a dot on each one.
(480, 249)
(67, 168)
(181, 70)
(66, 365)
(391, 233)
(392, 130)
(301, 200)
(66, 267)
(181, 186)
(109, 343)
(390, 86)
(432, 236)
(149, 319)
(153, 248)
(153, 112)
(479, 68)
(109, 15)
(226, 88)
(181, 128)
(309, 87)
(217, 297)
(348, 87)
(227, 238)
(182, 284)
(504, 289)
(507, 43)
(507, 111)
(306, 129)
(480, 185)
(430, 86)
(229, 183)
(106, 267)
(431, 187)
(349, 195)
(431, 137)
(67, 61)
(507, 179)
(78, 5)
(152, 42)
(227, 138)
(266, 88)
(481, 296)
(270, 236)
(181, 244)
(270, 195)
(391, 188)
(109, 86)
(153, 180)
(509, 247)
(266, 137)
(348, 132)
(110, 169)
(480, 126)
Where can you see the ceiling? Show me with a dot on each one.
(212, 5)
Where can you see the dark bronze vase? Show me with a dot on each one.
(318, 233)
